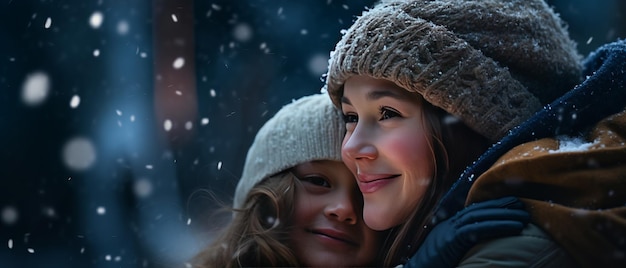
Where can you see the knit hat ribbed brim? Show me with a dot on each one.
(492, 63)
(308, 129)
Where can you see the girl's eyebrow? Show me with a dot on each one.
(345, 100)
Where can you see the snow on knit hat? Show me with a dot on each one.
(307, 129)
(492, 63)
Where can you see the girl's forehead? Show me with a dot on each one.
(328, 166)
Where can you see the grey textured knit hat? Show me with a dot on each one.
(492, 63)
(308, 129)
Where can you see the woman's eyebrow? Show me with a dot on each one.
(378, 94)
(375, 95)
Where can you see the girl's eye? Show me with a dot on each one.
(350, 118)
(387, 113)
(315, 180)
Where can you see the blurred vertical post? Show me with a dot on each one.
(175, 100)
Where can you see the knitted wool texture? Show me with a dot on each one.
(308, 129)
(492, 63)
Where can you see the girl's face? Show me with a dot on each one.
(328, 226)
(387, 148)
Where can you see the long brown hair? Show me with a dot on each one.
(453, 146)
(258, 233)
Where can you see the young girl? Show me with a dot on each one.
(426, 86)
(296, 203)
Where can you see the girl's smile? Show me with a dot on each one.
(328, 228)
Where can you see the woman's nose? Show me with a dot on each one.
(358, 145)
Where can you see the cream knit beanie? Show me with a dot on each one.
(492, 63)
(308, 129)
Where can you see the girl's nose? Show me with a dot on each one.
(341, 208)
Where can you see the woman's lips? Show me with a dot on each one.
(371, 183)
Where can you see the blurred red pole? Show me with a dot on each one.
(175, 98)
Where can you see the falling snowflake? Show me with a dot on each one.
(142, 187)
(122, 27)
(75, 101)
(79, 154)
(95, 20)
(167, 125)
(178, 63)
(35, 89)
(101, 210)
(242, 32)
(318, 64)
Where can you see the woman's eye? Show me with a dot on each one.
(350, 118)
(318, 181)
(387, 113)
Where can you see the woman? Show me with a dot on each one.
(415, 77)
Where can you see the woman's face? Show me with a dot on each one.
(387, 149)
(328, 226)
